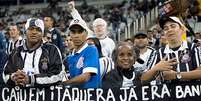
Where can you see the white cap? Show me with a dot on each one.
(35, 22)
(163, 20)
(79, 22)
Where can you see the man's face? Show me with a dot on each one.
(69, 42)
(99, 29)
(48, 22)
(34, 34)
(198, 35)
(172, 31)
(141, 41)
(13, 31)
(78, 35)
(125, 57)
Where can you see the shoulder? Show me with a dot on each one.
(49, 47)
(91, 47)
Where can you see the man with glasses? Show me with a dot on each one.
(83, 63)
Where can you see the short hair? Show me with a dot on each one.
(52, 18)
(115, 52)
(98, 21)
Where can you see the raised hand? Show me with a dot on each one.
(71, 6)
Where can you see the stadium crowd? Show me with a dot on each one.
(78, 47)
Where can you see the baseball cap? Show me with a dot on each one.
(163, 20)
(140, 34)
(35, 22)
(78, 22)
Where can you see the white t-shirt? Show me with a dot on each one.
(108, 46)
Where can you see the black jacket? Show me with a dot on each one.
(50, 65)
(114, 79)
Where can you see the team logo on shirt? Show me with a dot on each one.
(44, 63)
(80, 62)
(54, 36)
(185, 58)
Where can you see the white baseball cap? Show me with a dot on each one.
(35, 22)
(78, 22)
(163, 20)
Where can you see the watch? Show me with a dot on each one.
(178, 76)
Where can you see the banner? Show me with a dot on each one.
(165, 92)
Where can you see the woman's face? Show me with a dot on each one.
(125, 57)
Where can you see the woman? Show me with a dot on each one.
(124, 74)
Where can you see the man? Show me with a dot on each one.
(187, 65)
(15, 38)
(147, 54)
(100, 30)
(49, 22)
(34, 63)
(83, 63)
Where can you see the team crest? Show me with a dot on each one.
(185, 58)
(44, 63)
(80, 62)
(54, 36)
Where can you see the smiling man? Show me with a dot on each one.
(33, 63)
(186, 54)
(83, 63)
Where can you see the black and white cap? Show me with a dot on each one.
(35, 22)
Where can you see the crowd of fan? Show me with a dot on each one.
(93, 50)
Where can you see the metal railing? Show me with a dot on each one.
(141, 24)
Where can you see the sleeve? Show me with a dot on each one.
(9, 68)
(91, 61)
(152, 60)
(75, 14)
(55, 73)
(196, 51)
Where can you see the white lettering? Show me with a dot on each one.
(165, 91)
(144, 93)
(125, 94)
(110, 95)
(179, 92)
(132, 95)
(66, 93)
(99, 93)
(3, 94)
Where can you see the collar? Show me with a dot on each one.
(183, 46)
(25, 48)
(51, 29)
(80, 50)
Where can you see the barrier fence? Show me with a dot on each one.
(141, 24)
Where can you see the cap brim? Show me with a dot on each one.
(76, 25)
(162, 21)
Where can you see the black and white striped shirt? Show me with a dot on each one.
(187, 55)
(148, 59)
